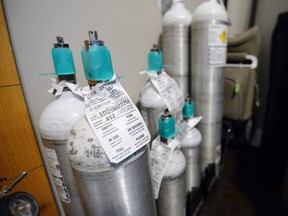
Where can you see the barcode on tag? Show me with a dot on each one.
(115, 120)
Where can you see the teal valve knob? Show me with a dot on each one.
(96, 59)
(166, 126)
(155, 59)
(63, 58)
(188, 108)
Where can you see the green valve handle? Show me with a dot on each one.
(96, 59)
(166, 126)
(155, 59)
(237, 88)
(62, 58)
(188, 108)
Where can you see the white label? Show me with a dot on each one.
(56, 173)
(74, 88)
(189, 125)
(160, 155)
(169, 91)
(57, 88)
(192, 122)
(217, 44)
(115, 120)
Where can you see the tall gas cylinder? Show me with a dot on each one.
(55, 123)
(176, 44)
(107, 188)
(152, 104)
(172, 194)
(209, 47)
(190, 139)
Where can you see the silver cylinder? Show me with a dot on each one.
(152, 106)
(123, 189)
(183, 83)
(207, 91)
(171, 201)
(66, 185)
(172, 194)
(151, 116)
(192, 167)
(176, 53)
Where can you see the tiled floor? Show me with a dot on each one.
(246, 187)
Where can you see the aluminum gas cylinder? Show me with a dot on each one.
(55, 123)
(209, 47)
(190, 139)
(172, 194)
(106, 188)
(176, 44)
(152, 104)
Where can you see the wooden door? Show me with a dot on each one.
(19, 150)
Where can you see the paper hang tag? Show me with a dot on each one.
(75, 88)
(182, 127)
(115, 120)
(57, 88)
(169, 91)
(160, 156)
(194, 121)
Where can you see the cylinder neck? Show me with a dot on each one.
(93, 83)
(69, 78)
(186, 118)
(165, 140)
(179, 3)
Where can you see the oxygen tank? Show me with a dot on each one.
(190, 139)
(209, 45)
(152, 104)
(55, 123)
(176, 44)
(107, 188)
(172, 197)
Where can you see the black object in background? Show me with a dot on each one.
(19, 204)
(274, 147)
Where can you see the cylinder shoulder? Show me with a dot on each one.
(176, 166)
(190, 138)
(150, 97)
(210, 11)
(86, 153)
(58, 117)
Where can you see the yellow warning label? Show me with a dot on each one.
(223, 37)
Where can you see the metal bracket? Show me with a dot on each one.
(9, 188)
